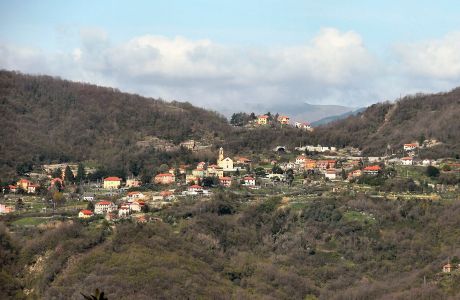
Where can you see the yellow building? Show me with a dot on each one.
(225, 163)
(262, 120)
(112, 183)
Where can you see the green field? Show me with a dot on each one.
(30, 221)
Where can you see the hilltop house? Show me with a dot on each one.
(447, 268)
(112, 183)
(165, 178)
(262, 120)
(283, 120)
(85, 214)
(325, 164)
(304, 126)
(104, 207)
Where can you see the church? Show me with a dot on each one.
(225, 163)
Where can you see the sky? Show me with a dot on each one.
(240, 55)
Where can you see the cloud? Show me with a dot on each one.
(334, 67)
(439, 59)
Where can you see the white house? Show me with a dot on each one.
(104, 207)
(124, 211)
(300, 160)
(407, 161)
(85, 213)
(249, 181)
(331, 174)
(134, 196)
(426, 162)
(195, 189)
(409, 147)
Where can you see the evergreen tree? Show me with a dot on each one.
(57, 173)
(80, 173)
(69, 177)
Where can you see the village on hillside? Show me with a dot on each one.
(68, 191)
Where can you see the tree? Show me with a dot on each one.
(289, 176)
(90, 205)
(68, 175)
(24, 168)
(163, 168)
(432, 171)
(57, 197)
(57, 173)
(277, 170)
(80, 173)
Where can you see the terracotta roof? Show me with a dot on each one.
(24, 180)
(407, 158)
(86, 212)
(248, 178)
(112, 179)
(372, 168)
(411, 145)
(195, 187)
(134, 193)
(104, 203)
(225, 178)
(164, 175)
(165, 193)
(263, 117)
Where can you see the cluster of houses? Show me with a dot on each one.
(263, 120)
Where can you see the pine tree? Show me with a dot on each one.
(69, 177)
(80, 173)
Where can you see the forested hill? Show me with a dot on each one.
(47, 119)
(413, 118)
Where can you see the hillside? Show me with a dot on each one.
(47, 119)
(228, 248)
(410, 119)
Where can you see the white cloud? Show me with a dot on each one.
(439, 59)
(333, 68)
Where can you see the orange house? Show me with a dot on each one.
(283, 120)
(165, 178)
(310, 164)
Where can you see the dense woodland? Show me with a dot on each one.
(226, 248)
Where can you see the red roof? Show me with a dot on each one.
(104, 203)
(263, 117)
(225, 179)
(411, 145)
(407, 158)
(164, 175)
(372, 168)
(248, 178)
(112, 179)
(24, 180)
(195, 187)
(133, 193)
(165, 193)
(87, 212)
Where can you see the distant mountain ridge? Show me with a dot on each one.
(330, 119)
(306, 112)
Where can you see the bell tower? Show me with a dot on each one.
(221, 154)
